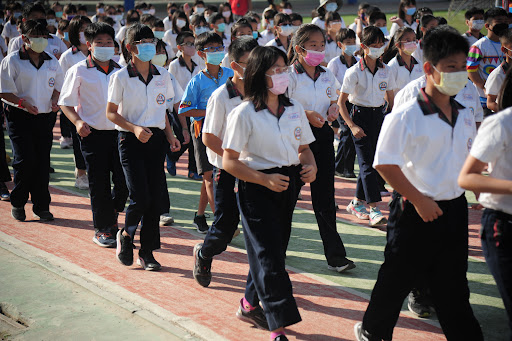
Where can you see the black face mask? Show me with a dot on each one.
(42, 21)
(172, 11)
(500, 29)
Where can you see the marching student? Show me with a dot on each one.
(225, 10)
(405, 18)
(269, 179)
(193, 104)
(325, 7)
(314, 87)
(132, 16)
(420, 152)
(475, 22)
(85, 88)
(5, 174)
(138, 96)
(30, 82)
(171, 9)
(497, 76)
(283, 29)
(218, 25)
(10, 30)
(180, 24)
(242, 28)
(427, 22)
(268, 24)
(333, 25)
(365, 86)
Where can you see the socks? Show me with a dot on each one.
(356, 202)
(273, 335)
(246, 305)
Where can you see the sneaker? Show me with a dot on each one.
(358, 210)
(256, 317)
(18, 213)
(345, 265)
(202, 267)
(281, 337)
(44, 215)
(166, 219)
(82, 182)
(171, 168)
(363, 335)
(4, 192)
(124, 251)
(419, 304)
(65, 142)
(104, 239)
(376, 217)
(195, 176)
(346, 175)
(201, 224)
(51, 170)
(147, 261)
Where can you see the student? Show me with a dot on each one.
(69, 12)
(218, 25)
(10, 30)
(242, 28)
(362, 17)
(157, 26)
(171, 9)
(406, 11)
(132, 16)
(51, 20)
(253, 19)
(333, 25)
(325, 7)
(286, 7)
(180, 23)
(138, 96)
(227, 13)
(346, 153)
(268, 24)
(85, 88)
(5, 174)
(82, 10)
(199, 7)
(63, 32)
(365, 86)
(100, 12)
(198, 24)
(378, 19)
(193, 104)
(296, 20)
(433, 133)
(497, 76)
(30, 82)
(492, 150)
(269, 180)
(283, 29)
(314, 87)
(475, 22)
(485, 55)
(427, 22)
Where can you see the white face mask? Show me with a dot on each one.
(287, 11)
(376, 52)
(478, 24)
(451, 82)
(199, 10)
(226, 14)
(180, 23)
(286, 30)
(331, 7)
(81, 36)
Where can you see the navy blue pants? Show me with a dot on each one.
(496, 235)
(175, 156)
(31, 138)
(409, 240)
(369, 182)
(77, 152)
(5, 175)
(101, 156)
(322, 195)
(143, 167)
(267, 221)
(346, 153)
(66, 127)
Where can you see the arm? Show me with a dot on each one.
(194, 113)
(55, 99)
(82, 128)
(471, 178)
(307, 160)
(169, 134)
(15, 99)
(184, 130)
(477, 80)
(213, 142)
(142, 133)
(491, 103)
(356, 131)
(359, 27)
(391, 99)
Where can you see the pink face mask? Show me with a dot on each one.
(313, 58)
(189, 50)
(410, 47)
(279, 83)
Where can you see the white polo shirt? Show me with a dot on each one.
(313, 94)
(331, 50)
(429, 150)
(55, 45)
(496, 78)
(167, 23)
(10, 31)
(493, 145)
(265, 141)
(468, 96)
(401, 72)
(395, 27)
(71, 57)
(170, 38)
(86, 88)
(277, 43)
(418, 53)
(178, 90)
(179, 69)
(19, 76)
(143, 104)
(266, 36)
(338, 66)
(221, 103)
(366, 89)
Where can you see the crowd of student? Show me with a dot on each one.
(258, 102)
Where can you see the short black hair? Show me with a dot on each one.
(74, 29)
(97, 28)
(157, 23)
(442, 42)
(252, 14)
(372, 35)
(34, 27)
(82, 8)
(63, 25)
(494, 13)
(506, 38)
(137, 32)
(280, 18)
(107, 20)
(50, 12)
(180, 38)
(197, 19)
(269, 14)
(422, 11)
(377, 16)
(207, 38)
(240, 46)
(69, 9)
(296, 16)
(470, 13)
(34, 7)
(329, 17)
(146, 18)
(345, 33)
(363, 5)
(214, 17)
(242, 22)
(442, 21)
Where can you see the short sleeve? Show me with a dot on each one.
(238, 130)
(494, 82)
(115, 89)
(169, 91)
(293, 83)
(215, 118)
(307, 136)
(178, 91)
(190, 98)
(8, 75)
(490, 141)
(393, 139)
(350, 80)
(392, 79)
(474, 57)
(69, 93)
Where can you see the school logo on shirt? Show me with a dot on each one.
(470, 143)
(383, 86)
(297, 133)
(51, 82)
(468, 97)
(328, 91)
(467, 120)
(160, 99)
(184, 105)
(55, 51)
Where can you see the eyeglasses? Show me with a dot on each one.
(278, 70)
(412, 41)
(146, 41)
(284, 24)
(187, 44)
(213, 49)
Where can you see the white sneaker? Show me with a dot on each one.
(66, 142)
(166, 219)
(82, 182)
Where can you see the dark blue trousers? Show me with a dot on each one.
(31, 138)
(5, 174)
(409, 239)
(143, 167)
(175, 156)
(346, 153)
(101, 155)
(267, 221)
(496, 235)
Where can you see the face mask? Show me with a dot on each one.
(246, 36)
(221, 27)
(351, 49)
(410, 47)
(255, 34)
(159, 59)
(206, 16)
(37, 44)
(226, 14)
(451, 82)
(375, 52)
(215, 58)
(286, 30)
(66, 36)
(118, 17)
(313, 58)
(384, 30)
(101, 10)
(103, 53)
(270, 23)
(81, 36)
(500, 29)
(159, 34)
(243, 70)
(172, 11)
(331, 7)
(180, 23)
(478, 24)
(116, 58)
(279, 83)
(152, 11)
(58, 14)
(199, 10)
(146, 51)
(145, 12)
(201, 29)
(335, 25)
(287, 11)
(189, 50)
(51, 22)
(410, 11)
(71, 17)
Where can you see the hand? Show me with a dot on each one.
(357, 20)
(55, 106)
(315, 119)
(174, 144)
(82, 128)
(428, 209)
(357, 132)
(30, 108)
(308, 173)
(142, 133)
(333, 112)
(277, 182)
(397, 21)
(186, 136)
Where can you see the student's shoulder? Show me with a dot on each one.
(407, 111)
(220, 93)
(227, 71)
(480, 43)
(393, 63)
(244, 110)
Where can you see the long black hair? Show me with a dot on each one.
(505, 95)
(74, 29)
(300, 38)
(391, 49)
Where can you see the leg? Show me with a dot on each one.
(120, 190)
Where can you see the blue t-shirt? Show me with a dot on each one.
(199, 90)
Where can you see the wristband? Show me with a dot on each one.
(19, 103)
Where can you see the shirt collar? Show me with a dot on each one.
(75, 50)
(111, 66)
(344, 61)
(428, 107)
(329, 39)
(401, 62)
(362, 64)
(42, 56)
(183, 64)
(469, 34)
(300, 69)
(232, 90)
(132, 72)
(283, 102)
(278, 41)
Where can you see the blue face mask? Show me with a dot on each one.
(159, 34)
(221, 27)
(66, 36)
(201, 29)
(59, 14)
(331, 7)
(103, 53)
(384, 30)
(146, 51)
(410, 11)
(255, 34)
(215, 58)
(351, 49)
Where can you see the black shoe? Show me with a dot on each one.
(363, 335)
(52, 170)
(104, 239)
(202, 267)
(201, 224)
(281, 338)
(4, 192)
(419, 303)
(349, 175)
(147, 261)
(345, 265)
(256, 317)
(18, 213)
(124, 251)
(44, 215)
